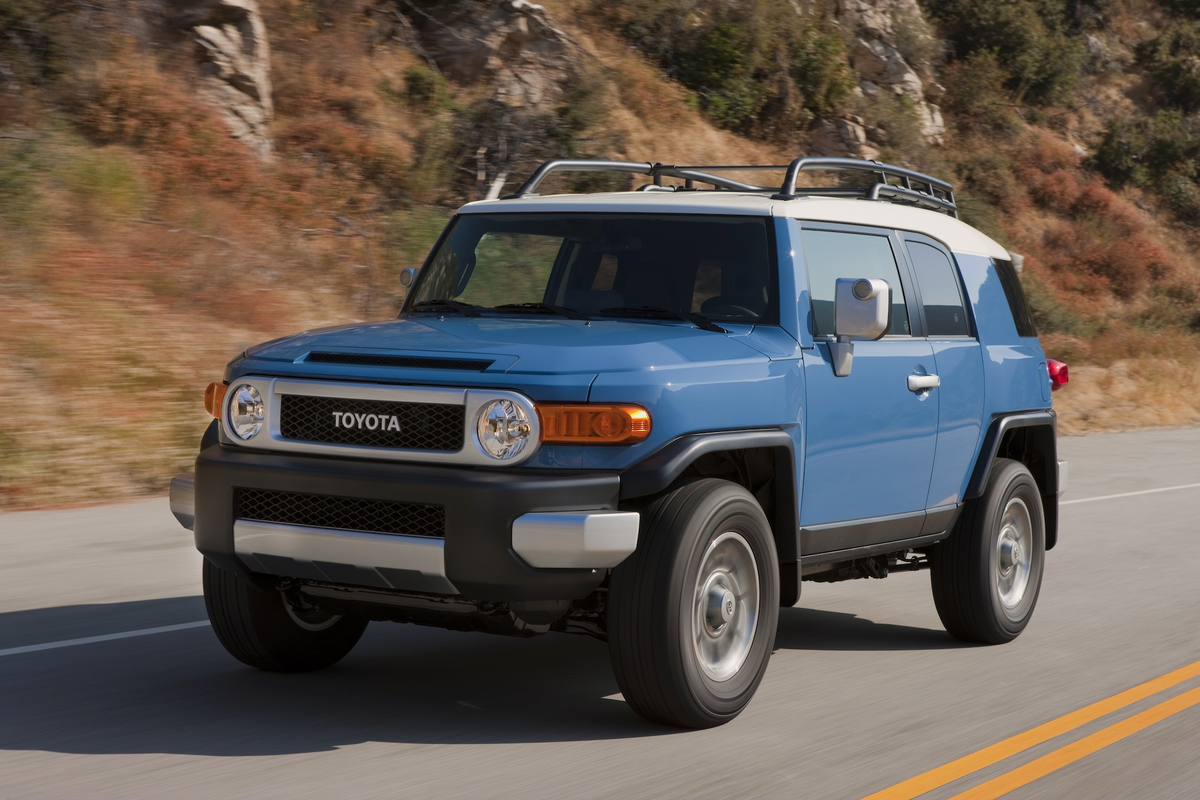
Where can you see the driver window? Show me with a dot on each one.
(829, 255)
(511, 265)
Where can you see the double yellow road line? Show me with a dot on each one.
(1068, 754)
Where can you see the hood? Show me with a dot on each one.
(524, 346)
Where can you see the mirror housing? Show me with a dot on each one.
(860, 311)
(408, 276)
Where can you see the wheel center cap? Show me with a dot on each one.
(1010, 553)
(721, 606)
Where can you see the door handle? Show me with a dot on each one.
(921, 383)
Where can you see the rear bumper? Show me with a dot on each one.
(498, 524)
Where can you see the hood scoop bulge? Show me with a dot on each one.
(410, 362)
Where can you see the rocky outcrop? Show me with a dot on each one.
(842, 136)
(236, 64)
(512, 44)
(883, 30)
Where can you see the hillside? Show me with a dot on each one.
(181, 179)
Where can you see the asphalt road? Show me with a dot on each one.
(864, 692)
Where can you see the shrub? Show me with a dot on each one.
(894, 124)
(976, 93)
(988, 175)
(135, 105)
(1182, 194)
(424, 88)
(1028, 37)
(758, 66)
(1161, 154)
(1173, 60)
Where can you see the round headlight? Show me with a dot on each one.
(504, 429)
(246, 411)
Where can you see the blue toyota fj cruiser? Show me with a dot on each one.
(645, 416)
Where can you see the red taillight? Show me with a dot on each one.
(1058, 374)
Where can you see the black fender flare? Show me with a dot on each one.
(657, 471)
(1044, 441)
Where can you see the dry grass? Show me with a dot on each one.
(1129, 394)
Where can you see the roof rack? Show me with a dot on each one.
(910, 188)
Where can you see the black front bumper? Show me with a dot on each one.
(480, 506)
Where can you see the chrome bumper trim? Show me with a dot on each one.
(183, 499)
(1062, 477)
(575, 539)
(400, 562)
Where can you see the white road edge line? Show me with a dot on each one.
(1130, 494)
(33, 648)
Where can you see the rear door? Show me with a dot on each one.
(870, 440)
(959, 360)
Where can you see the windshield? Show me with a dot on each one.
(636, 265)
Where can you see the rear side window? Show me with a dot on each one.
(940, 294)
(830, 255)
(1016, 297)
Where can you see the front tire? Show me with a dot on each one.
(986, 576)
(693, 612)
(270, 630)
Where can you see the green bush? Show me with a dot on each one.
(976, 93)
(1028, 37)
(19, 200)
(1160, 154)
(34, 43)
(1182, 194)
(424, 88)
(894, 125)
(1144, 151)
(756, 66)
(1173, 60)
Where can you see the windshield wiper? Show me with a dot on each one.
(543, 308)
(699, 320)
(466, 309)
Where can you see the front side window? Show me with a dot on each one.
(830, 255)
(718, 267)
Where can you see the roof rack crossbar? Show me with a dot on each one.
(914, 188)
(578, 165)
(932, 198)
(657, 171)
(902, 195)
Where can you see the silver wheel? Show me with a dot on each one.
(726, 606)
(1014, 553)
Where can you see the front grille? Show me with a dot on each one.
(344, 513)
(372, 423)
(416, 362)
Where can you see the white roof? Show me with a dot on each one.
(958, 236)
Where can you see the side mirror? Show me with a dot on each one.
(860, 311)
(408, 276)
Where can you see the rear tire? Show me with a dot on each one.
(270, 631)
(693, 612)
(986, 576)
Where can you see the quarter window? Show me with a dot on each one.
(940, 294)
(830, 255)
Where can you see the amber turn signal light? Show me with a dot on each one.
(564, 423)
(214, 398)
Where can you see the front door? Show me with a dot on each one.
(870, 438)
